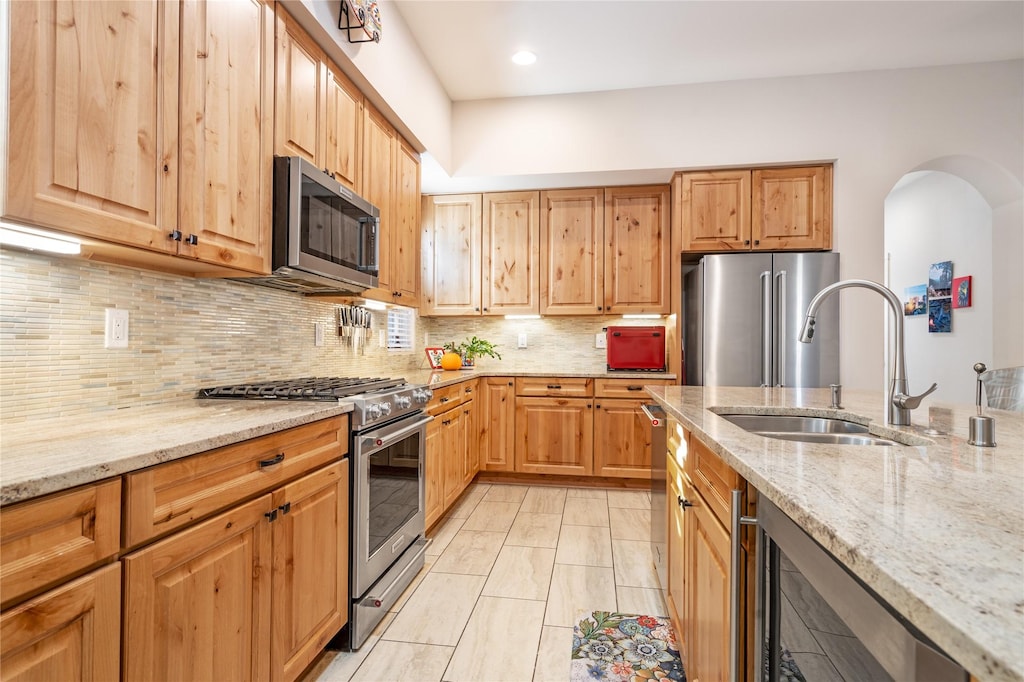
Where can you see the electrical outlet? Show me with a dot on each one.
(115, 329)
(600, 340)
(521, 340)
(318, 333)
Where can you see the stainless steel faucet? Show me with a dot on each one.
(900, 403)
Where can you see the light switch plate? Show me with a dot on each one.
(600, 340)
(521, 340)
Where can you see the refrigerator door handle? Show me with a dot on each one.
(766, 329)
(780, 327)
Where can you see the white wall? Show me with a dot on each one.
(936, 217)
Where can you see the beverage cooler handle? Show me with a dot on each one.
(766, 329)
(780, 329)
(735, 583)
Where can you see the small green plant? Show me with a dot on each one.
(472, 349)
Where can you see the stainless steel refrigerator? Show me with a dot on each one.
(742, 317)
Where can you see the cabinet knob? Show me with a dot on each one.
(476, 309)
(192, 240)
(285, 508)
(176, 235)
(598, 406)
(166, 168)
(683, 502)
(485, 310)
(271, 515)
(510, 383)
(756, 242)
(607, 308)
(599, 308)
(746, 242)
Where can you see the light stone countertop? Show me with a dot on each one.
(46, 455)
(441, 378)
(42, 456)
(936, 530)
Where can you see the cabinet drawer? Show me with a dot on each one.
(626, 388)
(171, 495)
(469, 389)
(712, 478)
(46, 540)
(445, 399)
(574, 387)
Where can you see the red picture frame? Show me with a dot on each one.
(962, 292)
(434, 357)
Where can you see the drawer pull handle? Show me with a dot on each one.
(683, 502)
(554, 387)
(444, 400)
(634, 388)
(285, 508)
(276, 459)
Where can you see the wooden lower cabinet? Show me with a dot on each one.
(622, 445)
(555, 435)
(69, 633)
(310, 568)
(470, 443)
(678, 570)
(253, 593)
(497, 424)
(452, 443)
(433, 473)
(709, 622)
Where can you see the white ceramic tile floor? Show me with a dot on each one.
(503, 587)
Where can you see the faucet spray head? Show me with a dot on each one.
(808, 330)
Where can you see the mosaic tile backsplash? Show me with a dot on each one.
(186, 333)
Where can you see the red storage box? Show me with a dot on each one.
(636, 348)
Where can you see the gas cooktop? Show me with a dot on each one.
(307, 388)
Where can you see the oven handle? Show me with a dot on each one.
(372, 443)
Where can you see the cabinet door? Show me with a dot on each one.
(707, 655)
(622, 446)
(299, 82)
(378, 181)
(471, 443)
(498, 419)
(93, 119)
(453, 450)
(405, 237)
(571, 262)
(343, 129)
(451, 255)
(792, 208)
(197, 605)
(636, 249)
(433, 472)
(511, 253)
(70, 633)
(310, 579)
(555, 436)
(714, 208)
(227, 101)
(678, 551)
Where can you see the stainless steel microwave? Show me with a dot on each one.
(325, 237)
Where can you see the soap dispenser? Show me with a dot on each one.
(981, 429)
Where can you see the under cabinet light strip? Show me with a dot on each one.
(641, 316)
(522, 317)
(24, 237)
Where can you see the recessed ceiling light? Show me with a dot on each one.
(524, 57)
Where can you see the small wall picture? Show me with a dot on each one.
(962, 292)
(939, 319)
(915, 300)
(434, 357)
(940, 280)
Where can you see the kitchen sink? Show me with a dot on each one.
(807, 429)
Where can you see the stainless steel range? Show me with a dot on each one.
(387, 502)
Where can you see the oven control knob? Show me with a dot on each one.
(373, 411)
(385, 408)
(403, 402)
(422, 395)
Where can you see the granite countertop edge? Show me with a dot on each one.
(984, 629)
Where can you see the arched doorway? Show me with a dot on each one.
(970, 212)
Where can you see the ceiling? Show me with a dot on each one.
(594, 45)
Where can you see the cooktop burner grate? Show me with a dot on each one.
(308, 388)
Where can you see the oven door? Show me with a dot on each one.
(388, 492)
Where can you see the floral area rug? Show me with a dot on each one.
(618, 647)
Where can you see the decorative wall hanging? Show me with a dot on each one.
(361, 16)
(940, 279)
(939, 319)
(915, 300)
(962, 292)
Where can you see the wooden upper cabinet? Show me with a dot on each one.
(93, 119)
(792, 208)
(226, 134)
(378, 182)
(571, 267)
(343, 129)
(299, 85)
(405, 235)
(637, 249)
(768, 209)
(451, 254)
(511, 253)
(715, 210)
